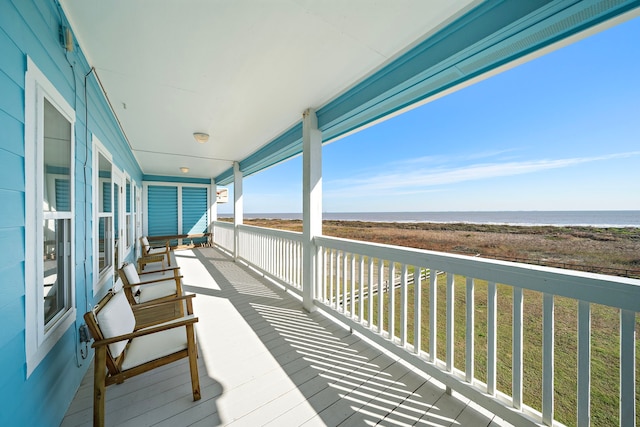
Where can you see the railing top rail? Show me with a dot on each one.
(283, 234)
(620, 292)
(223, 224)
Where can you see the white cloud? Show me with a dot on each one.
(415, 177)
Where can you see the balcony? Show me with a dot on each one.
(266, 360)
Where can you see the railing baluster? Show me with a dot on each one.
(492, 298)
(292, 248)
(370, 291)
(392, 301)
(547, 358)
(319, 279)
(361, 290)
(584, 364)
(338, 281)
(345, 283)
(272, 261)
(380, 295)
(287, 269)
(417, 309)
(332, 256)
(323, 271)
(352, 279)
(517, 347)
(627, 368)
(450, 322)
(403, 306)
(433, 314)
(281, 268)
(470, 330)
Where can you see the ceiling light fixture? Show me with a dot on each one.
(184, 169)
(201, 137)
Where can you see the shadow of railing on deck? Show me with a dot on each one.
(343, 378)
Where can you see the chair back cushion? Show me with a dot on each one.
(145, 243)
(132, 277)
(116, 318)
(118, 285)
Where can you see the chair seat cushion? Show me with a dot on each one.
(154, 346)
(157, 290)
(154, 251)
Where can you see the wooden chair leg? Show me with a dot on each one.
(193, 362)
(99, 370)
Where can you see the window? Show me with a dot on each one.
(128, 217)
(49, 219)
(103, 203)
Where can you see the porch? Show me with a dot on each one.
(264, 360)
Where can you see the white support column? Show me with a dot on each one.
(213, 203)
(213, 208)
(311, 202)
(238, 212)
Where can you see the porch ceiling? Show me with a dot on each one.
(242, 71)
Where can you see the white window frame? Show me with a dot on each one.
(120, 178)
(107, 276)
(138, 221)
(38, 341)
(128, 221)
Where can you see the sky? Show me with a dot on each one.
(560, 132)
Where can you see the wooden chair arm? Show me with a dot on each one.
(183, 321)
(151, 304)
(165, 244)
(174, 268)
(150, 282)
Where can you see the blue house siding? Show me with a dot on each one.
(29, 28)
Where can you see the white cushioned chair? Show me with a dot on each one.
(154, 254)
(159, 285)
(124, 348)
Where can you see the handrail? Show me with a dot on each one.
(282, 234)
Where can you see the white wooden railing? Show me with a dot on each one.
(275, 253)
(223, 235)
(376, 290)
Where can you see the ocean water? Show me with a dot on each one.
(557, 218)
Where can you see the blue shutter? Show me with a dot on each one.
(106, 197)
(63, 195)
(194, 211)
(162, 210)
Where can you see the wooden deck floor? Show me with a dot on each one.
(266, 361)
